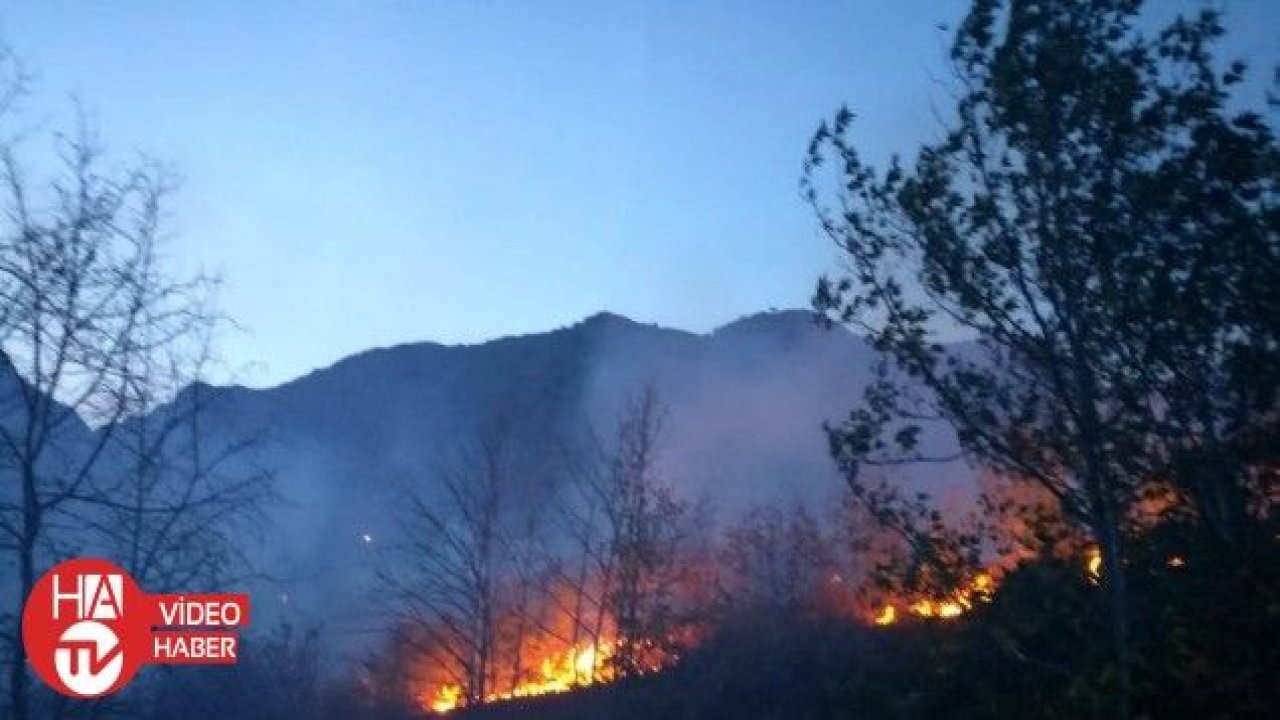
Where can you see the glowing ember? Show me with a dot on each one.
(1093, 564)
(1176, 562)
(983, 585)
(886, 616)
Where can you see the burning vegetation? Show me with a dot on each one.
(552, 672)
(572, 668)
(625, 588)
(495, 596)
(617, 577)
(962, 601)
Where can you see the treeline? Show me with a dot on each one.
(501, 590)
(604, 573)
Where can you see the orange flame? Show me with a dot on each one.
(888, 615)
(1093, 564)
(446, 699)
(979, 590)
(575, 667)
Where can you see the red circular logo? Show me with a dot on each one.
(78, 630)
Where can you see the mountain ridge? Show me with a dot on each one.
(744, 405)
(596, 320)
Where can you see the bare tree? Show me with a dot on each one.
(445, 582)
(579, 558)
(526, 602)
(625, 529)
(86, 309)
(181, 499)
(777, 560)
(184, 494)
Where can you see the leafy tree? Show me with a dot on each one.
(1105, 229)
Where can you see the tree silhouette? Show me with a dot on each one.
(1105, 230)
(95, 334)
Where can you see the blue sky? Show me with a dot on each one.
(369, 173)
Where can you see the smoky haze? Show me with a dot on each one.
(743, 413)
